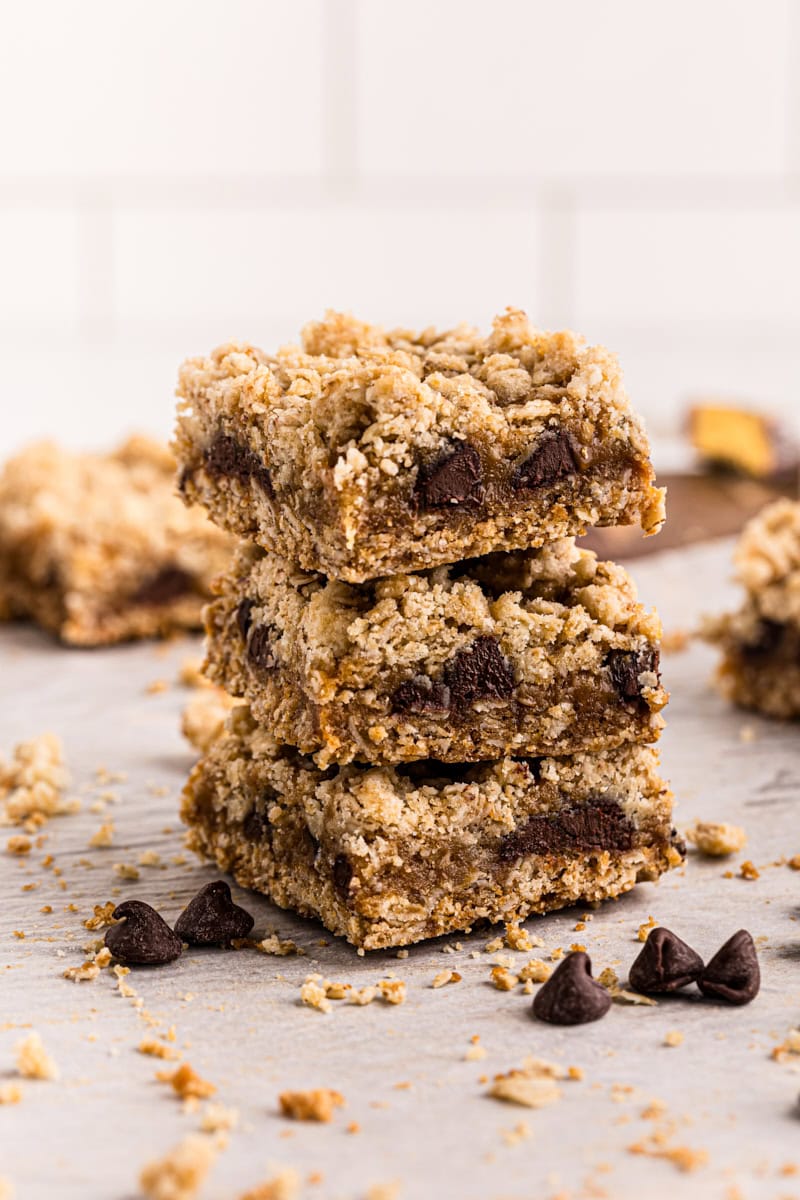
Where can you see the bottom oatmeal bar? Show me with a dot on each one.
(386, 856)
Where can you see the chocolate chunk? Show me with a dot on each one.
(421, 695)
(552, 459)
(168, 584)
(452, 480)
(479, 672)
(259, 647)
(342, 874)
(227, 457)
(256, 826)
(733, 973)
(627, 665)
(244, 616)
(571, 996)
(212, 919)
(143, 938)
(664, 964)
(769, 635)
(600, 824)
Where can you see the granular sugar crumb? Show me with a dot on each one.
(503, 979)
(272, 944)
(444, 977)
(362, 996)
(33, 1061)
(180, 1174)
(103, 915)
(716, 839)
(536, 970)
(393, 991)
(316, 1104)
(748, 870)
(313, 994)
(519, 939)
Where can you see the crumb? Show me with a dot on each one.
(503, 979)
(103, 915)
(404, 953)
(157, 1049)
(157, 685)
(673, 1037)
(204, 716)
(33, 783)
(10, 1093)
(187, 1083)
(33, 1061)
(622, 995)
(475, 1051)
(313, 994)
(520, 1133)
(794, 862)
(149, 858)
(181, 1173)
(126, 871)
(363, 995)
(789, 1046)
(19, 845)
(445, 977)
(556, 954)
(383, 1191)
(190, 673)
(675, 641)
(575, 1073)
(644, 930)
(85, 972)
(519, 939)
(536, 970)
(103, 837)
(393, 991)
(749, 870)
(533, 1086)
(272, 944)
(283, 1186)
(682, 1157)
(352, 1127)
(747, 733)
(716, 840)
(317, 1104)
(578, 947)
(493, 946)
(217, 1118)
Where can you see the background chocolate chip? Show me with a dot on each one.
(733, 974)
(170, 583)
(479, 672)
(552, 459)
(342, 874)
(143, 938)
(259, 647)
(571, 996)
(454, 479)
(256, 826)
(244, 616)
(627, 665)
(212, 919)
(226, 456)
(421, 695)
(664, 964)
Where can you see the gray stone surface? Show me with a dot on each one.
(238, 1017)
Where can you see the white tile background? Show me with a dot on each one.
(177, 172)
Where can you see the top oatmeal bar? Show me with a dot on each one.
(367, 453)
(97, 548)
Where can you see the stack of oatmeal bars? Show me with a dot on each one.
(450, 706)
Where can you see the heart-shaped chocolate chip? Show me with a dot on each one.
(571, 996)
(212, 918)
(664, 964)
(733, 974)
(143, 938)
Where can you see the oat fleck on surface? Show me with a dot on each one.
(180, 1174)
(33, 1061)
(716, 839)
(316, 1104)
(444, 977)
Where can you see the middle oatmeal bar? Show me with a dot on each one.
(368, 453)
(530, 652)
(386, 856)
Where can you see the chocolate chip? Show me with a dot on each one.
(733, 973)
(626, 666)
(767, 639)
(571, 996)
(143, 938)
(452, 480)
(226, 456)
(256, 826)
(168, 584)
(552, 459)
(479, 672)
(244, 616)
(212, 919)
(599, 824)
(259, 647)
(421, 695)
(664, 964)
(342, 874)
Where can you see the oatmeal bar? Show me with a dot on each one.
(367, 453)
(386, 856)
(98, 548)
(530, 652)
(760, 668)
